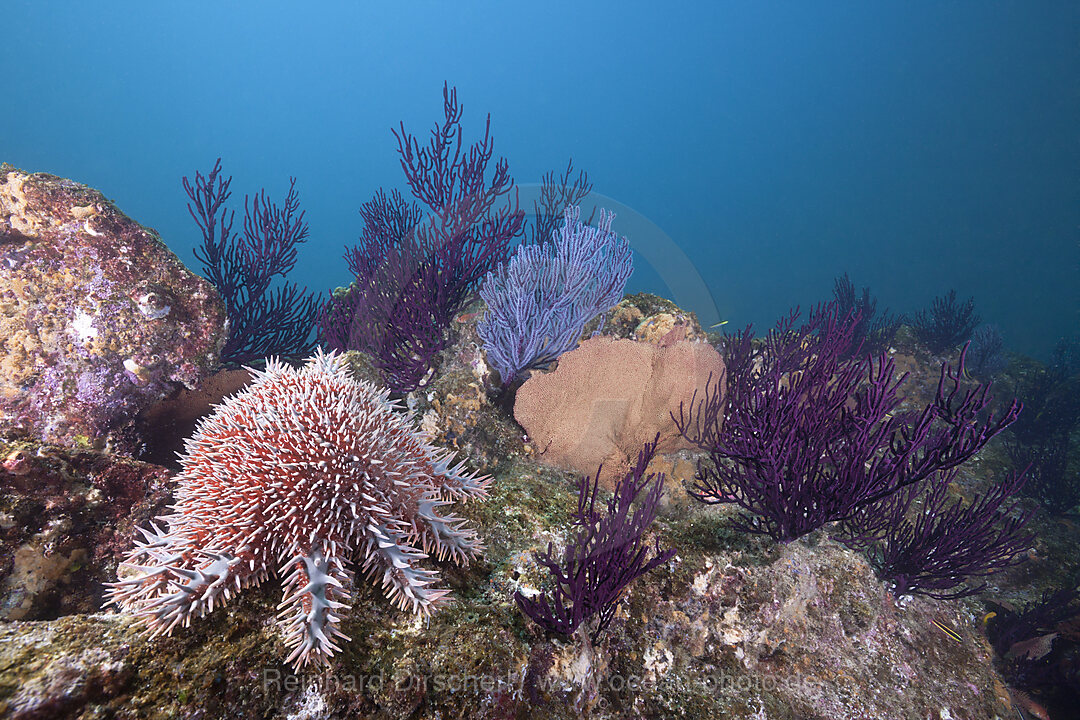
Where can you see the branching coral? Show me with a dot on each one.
(413, 275)
(925, 544)
(555, 197)
(262, 321)
(807, 435)
(947, 324)
(606, 554)
(539, 301)
(871, 334)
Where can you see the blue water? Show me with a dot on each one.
(763, 147)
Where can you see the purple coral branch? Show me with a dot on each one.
(413, 276)
(263, 321)
(805, 434)
(555, 197)
(947, 323)
(607, 553)
(451, 183)
(935, 547)
(388, 222)
(217, 254)
(271, 234)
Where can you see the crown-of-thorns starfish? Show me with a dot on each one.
(305, 472)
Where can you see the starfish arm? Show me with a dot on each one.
(454, 480)
(444, 535)
(176, 581)
(407, 585)
(314, 592)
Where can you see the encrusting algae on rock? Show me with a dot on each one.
(99, 320)
(304, 472)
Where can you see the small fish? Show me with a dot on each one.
(988, 617)
(948, 631)
(719, 324)
(1034, 649)
(1032, 708)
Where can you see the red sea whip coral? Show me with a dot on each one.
(306, 472)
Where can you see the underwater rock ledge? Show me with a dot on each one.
(99, 319)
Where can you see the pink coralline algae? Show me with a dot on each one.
(306, 472)
(98, 319)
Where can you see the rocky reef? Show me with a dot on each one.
(729, 627)
(732, 626)
(98, 318)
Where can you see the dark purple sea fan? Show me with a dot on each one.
(986, 356)
(806, 434)
(1049, 478)
(925, 544)
(872, 333)
(413, 274)
(355, 319)
(606, 554)
(947, 323)
(263, 320)
(555, 197)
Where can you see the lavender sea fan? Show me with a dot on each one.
(606, 554)
(539, 301)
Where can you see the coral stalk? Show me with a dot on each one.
(607, 553)
(807, 435)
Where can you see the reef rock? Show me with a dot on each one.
(733, 626)
(648, 318)
(66, 517)
(98, 318)
(609, 397)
